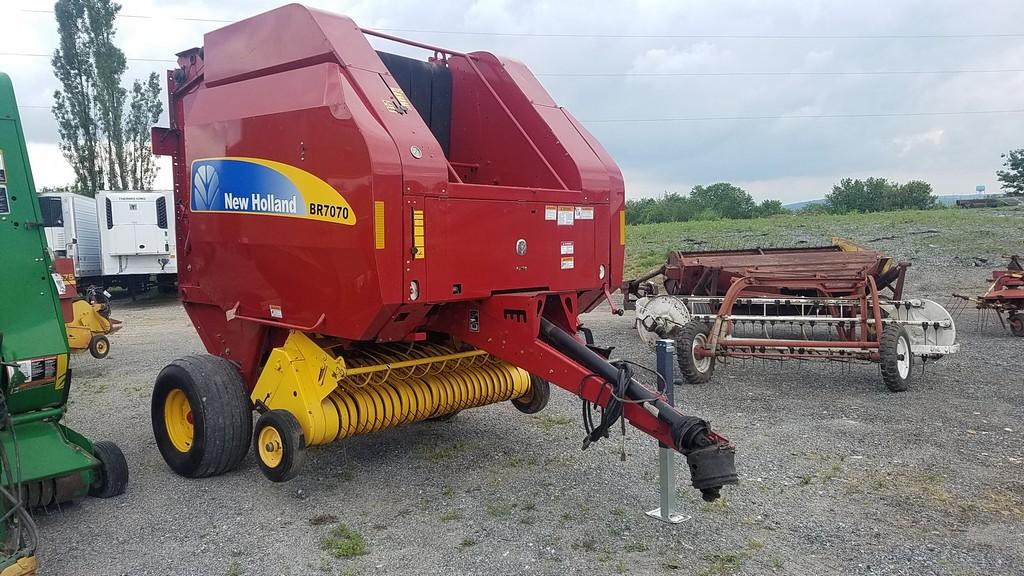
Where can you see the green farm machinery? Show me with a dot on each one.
(42, 462)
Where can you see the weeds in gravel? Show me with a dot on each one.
(438, 453)
(451, 516)
(587, 544)
(447, 491)
(234, 570)
(635, 547)
(549, 422)
(721, 563)
(498, 508)
(323, 519)
(343, 542)
(468, 542)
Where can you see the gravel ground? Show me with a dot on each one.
(838, 476)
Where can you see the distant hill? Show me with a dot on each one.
(949, 200)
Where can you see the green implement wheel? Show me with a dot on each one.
(202, 416)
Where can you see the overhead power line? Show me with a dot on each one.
(773, 73)
(596, 35)
(35, 55)
(678, 74)
(801, 116)
(759, 117)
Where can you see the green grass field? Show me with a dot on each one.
(939, 235)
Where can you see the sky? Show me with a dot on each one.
(783, 98)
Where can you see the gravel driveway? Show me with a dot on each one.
(838, 476)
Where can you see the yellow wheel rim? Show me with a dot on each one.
(178, 420)
(101, 347)
(271, 449)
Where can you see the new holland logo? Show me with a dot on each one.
(265, 187)
(205, 185)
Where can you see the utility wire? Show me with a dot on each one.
(593, 35)
(34, 55)
(764, 117)
(802, 116)
(679, 74)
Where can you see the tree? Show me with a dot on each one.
(858, 195)
(769, 208)
(913, 195)
(1013, 177)
(106, 147)
(722, 200)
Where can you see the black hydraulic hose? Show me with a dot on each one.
(712, 463)
(688, 432)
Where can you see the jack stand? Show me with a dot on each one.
(666, 358)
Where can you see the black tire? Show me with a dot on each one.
(892, 359)
(1017, 324)
(99, 347)
(220, 412)
(694, 370)
(112, 473)
(288, 445)
(536, 399)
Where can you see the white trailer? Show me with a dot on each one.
(69, 222)
(121, 239)
(137, 234)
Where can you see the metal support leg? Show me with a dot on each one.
(666, 359)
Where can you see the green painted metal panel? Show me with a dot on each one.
(31, 322)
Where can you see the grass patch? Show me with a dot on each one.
(468, 542)
(498, 508)
(635, 547)
(552, 421)
(234, 570)
(721, 563)
(961, 233)
(323, 519)
(451, 516)
(438, 453)
(343, 542)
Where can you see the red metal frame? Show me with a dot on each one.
(316, 101)
(861, 342)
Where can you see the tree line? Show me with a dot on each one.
(713, 202)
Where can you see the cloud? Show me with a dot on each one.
(785, 158)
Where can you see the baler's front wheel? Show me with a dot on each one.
(280, 445)
(202, 416)
(536, 399)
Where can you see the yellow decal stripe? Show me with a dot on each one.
(378, 224)
(417, 233)
(622, 227)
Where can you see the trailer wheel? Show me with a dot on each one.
(536, 399)
(99, 346)
(112, 473)
(280, 445)
(897, 361)
(1017, 324)
(696, 370)
(202, 416)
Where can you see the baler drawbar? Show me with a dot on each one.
(366, 240)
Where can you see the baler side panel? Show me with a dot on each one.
(312, 119)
